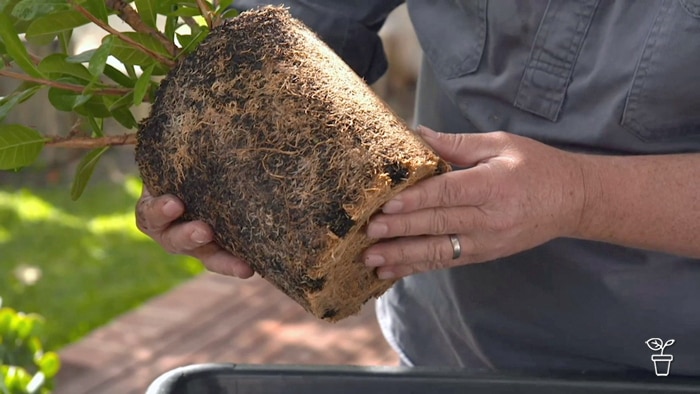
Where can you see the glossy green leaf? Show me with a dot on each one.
(6, 316)
(7, 5)
(64, 100)
(126, 100)
(189, 42)
(99, 59)
(147, 10)
(57, 64)
(50, 362)
(30, 9)
(15, 48)
(229, 13)
(129, 54)
(223, 5)
(84, 172)
(15, 98)
(23, 327)
(47, 27)
(82, 57)
(185, 11)
(124, 116)
(119, 77)
(96, 125)
(171, 24)
(97, 8)
(19, 146)
(142, 85)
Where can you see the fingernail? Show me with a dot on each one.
(200, 237)
(170, 209)
(377, 230)
(384, 275)
(374, 260)
(393, 206)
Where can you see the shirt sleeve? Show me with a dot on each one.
(349, 27)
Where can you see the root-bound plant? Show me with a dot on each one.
(264, 133)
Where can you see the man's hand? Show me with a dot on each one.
(155, 217)
(515, 194)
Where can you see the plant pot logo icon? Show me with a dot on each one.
(662, 362)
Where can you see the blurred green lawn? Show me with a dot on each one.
(80, 264)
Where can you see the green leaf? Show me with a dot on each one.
(24, 327)
(224, 5)
(185, 11)
(47, 27)
(126, 100)
(99, 58)
(19, 146)
(130, 55)
(96, 125)
(142, 85)
(17, 97)
(83, 57)
(84, 103)
(30, 9)
(50, 363)
(57, 64)
(7, 4)
(189, 42)
(15, 48)
(229, 13)
(148, 11)
(119, 77)
(65, 100)
(6, 316)
(98, 9)
(124, 116)
(84, 172)
(171, 24)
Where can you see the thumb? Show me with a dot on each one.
(462, 149)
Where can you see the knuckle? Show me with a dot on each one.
(423, 197)
(440, 222)
(405, 227)
(436, 251)
(450, 194)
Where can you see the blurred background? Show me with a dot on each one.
(117, 308)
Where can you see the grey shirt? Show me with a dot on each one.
(607, 77)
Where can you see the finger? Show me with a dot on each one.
(434, 250)
(432, 221)
(183, 238)
(464, 149)
(216, 259)
(155, 214)
(470, 187)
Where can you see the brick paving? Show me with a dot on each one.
(215, 319)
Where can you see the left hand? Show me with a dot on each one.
(515, 194)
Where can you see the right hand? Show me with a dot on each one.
(155, 217)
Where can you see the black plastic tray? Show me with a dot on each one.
(283, 379)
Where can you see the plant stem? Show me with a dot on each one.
(90, 142)
(106, 91)
(158, 57)
(206, 12)
(133, 19)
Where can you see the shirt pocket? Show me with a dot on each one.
(452, 34)
(663, 102)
